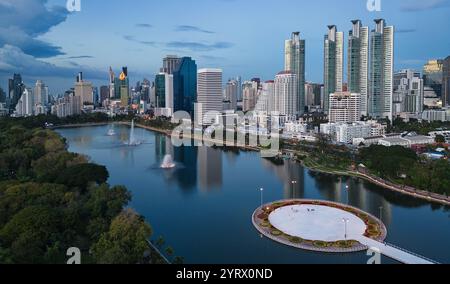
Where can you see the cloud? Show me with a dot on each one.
(80, 57)
(423, 5)
(197, 46)
(405, 31)
(186, 28)
(22, 21)
(133, 39)
(144, 26)
(14, 60)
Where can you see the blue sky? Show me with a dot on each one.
(41, 39)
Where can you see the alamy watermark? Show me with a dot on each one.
(374, 5)
(75, 255)
(73, 5)
(229, 130)
(375, 256)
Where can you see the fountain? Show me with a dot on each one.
(168, 162)
(111, 131)
(132, 141)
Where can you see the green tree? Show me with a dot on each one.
(125, 242)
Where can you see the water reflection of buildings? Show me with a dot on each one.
(209, 168)
(354, 192)
(292, 176)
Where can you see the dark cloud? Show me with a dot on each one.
(405, 31)
(80, 57)
(198, 46)
(14, 60)
(21, 21)
(186, 28)
(423, 5)
(144, 26)
(144, 42)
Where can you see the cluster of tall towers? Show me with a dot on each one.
(370, 66)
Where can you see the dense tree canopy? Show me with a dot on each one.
(51, 200)
(404, 166)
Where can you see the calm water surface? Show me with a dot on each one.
(203, 207)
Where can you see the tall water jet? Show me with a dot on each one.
(132, 141)
(111, 131)
(168, 162)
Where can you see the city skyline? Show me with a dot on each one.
(235, 47)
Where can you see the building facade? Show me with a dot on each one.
(295, 63)
(381, 70)
(285, 89)
(345, 107)
(358, 62)
(333, 63)
(184, 85)
(408, 92)
(209, 95)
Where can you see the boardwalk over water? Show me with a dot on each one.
(395, 253)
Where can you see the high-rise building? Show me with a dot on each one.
(286, 84)
(164, 91)
(124, 87)
(268, 88)
(295, 63)
(232, 93)
(408, 92)
(358, 63)
(345, 107)
(2, 96)
(239, 82)
(209, 95)
(312, 94)
(433, 75)
(104, 94)
(170, 64)
(145, 90)
(446, 82)
(250, 94)
(333, 60)
(84, 90)
(381, 70)
(185, 85)
(16, 88)
(25, 105)
(40, 93)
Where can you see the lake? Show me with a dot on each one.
(203, 206)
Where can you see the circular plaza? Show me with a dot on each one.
(318, 225)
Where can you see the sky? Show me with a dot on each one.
(41, 39)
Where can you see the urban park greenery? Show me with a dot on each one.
(52, 200)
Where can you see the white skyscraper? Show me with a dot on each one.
(25, 105)
(295, 63)
(345, 107)
(333, 61)
(358, 62)
(286, 84)
(381, 71)
(40, 93)
(209, 95)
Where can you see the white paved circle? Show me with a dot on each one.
(317, 223)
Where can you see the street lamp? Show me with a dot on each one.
(347, 191)
(294, 183)
(345, 220)
(262, 196)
